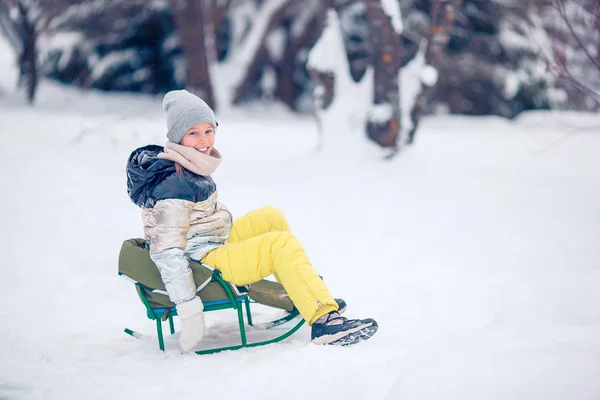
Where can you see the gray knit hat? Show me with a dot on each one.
(184, 110)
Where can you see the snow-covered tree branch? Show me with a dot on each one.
(575, 40)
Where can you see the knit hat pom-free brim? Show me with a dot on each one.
(184, 110)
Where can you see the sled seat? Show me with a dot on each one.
(216, 294)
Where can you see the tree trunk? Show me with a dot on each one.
(219, 12)
(22, 34)
(287, 91)
(386, 52)
(325, 88)
(189, 19)
(443, 16)
(28, 62)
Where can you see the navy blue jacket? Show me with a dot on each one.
(150, 179)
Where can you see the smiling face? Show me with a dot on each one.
(201, 137)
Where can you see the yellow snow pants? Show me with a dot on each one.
(261, 244)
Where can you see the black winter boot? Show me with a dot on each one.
(334, 329)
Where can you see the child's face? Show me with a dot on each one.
(201, 137)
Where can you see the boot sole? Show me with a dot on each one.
(349, 337)
(356, 337)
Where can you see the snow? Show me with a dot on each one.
(511, 39)
(307, 12)
(78, 12)
(241, 15)
(171, 43)
(275, 44)
(476, 250)
(269, 81)
(348, 112)
(329, 54)
(415, 73)
(13, 13)
(512, 84)
(179, 70)
(115, 60)
(380, 113)
(8, 68)
(392, 10)
(63, 42)
(558, 97)
(429, 75)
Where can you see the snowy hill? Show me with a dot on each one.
(476, 250)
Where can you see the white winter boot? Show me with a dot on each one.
(193, 327)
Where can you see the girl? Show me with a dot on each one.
(184, 220)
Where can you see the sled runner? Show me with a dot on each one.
(216, 294)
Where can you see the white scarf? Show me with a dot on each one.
(191, 159)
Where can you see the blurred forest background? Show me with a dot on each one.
(477, 57)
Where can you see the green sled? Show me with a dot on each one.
(216, 294)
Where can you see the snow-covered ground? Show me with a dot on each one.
(477, 250)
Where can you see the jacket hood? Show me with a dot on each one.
(144, 171)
